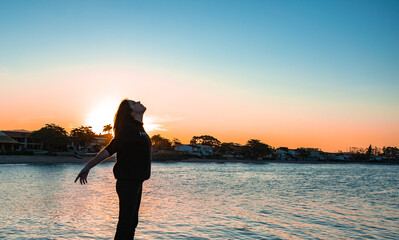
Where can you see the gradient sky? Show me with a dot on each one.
(319, 74)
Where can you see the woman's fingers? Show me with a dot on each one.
(82, 176)
(83, 179)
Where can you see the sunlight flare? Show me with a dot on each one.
(150, 125)
(102, 114)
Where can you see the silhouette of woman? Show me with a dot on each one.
(133, 166)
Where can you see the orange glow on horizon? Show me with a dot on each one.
(328, 138)
(175, 111)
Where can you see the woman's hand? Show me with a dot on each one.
(101, 156)
(82, 176)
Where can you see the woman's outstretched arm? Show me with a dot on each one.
(101, 156)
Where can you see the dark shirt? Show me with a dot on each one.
(133, 152)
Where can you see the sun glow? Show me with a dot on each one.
(150, 125)
(103, 113)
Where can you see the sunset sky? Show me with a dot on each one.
(319, 74)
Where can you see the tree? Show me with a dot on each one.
(306, 152)
(230, 148)
(255, 148)
(161, 143)
(176, 142)
(390, 151)
(205, 140)
(52, 137)
(373, 151)
(83, 135)
(107, 129)
(369, 151)
(359, 154)
(357, 151)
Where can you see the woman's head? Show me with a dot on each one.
(127, 111)
(137, 107)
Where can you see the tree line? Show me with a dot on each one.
(253, 148)
(55, 138)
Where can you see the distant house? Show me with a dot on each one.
(7, 143)
(198, 150)
(284, 153)
(292, 153)
(231, 150)
(23, 139)
(96, 145)
(281, 154)
(375, 158)
(339, 157)
(100, 142)
(314, 154)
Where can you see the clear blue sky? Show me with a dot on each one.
(324, 43)
(336, 54)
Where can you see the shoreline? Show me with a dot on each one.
(15, 159)
(10, 159)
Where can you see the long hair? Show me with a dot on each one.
(123, 115)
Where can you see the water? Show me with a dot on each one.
(206, 201)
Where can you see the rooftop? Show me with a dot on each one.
(6, 139)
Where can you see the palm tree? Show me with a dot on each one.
(107, 128)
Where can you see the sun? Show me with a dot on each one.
(103, 114)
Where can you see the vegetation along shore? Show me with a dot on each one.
(53, 144)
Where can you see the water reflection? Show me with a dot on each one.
(205, 201)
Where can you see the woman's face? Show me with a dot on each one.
(137, 107)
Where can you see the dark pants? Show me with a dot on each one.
(129, 193)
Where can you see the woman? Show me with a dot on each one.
(133, 165)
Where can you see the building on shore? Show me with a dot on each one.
(22, 137)
(198, 150)
(7, 143)
(21, 140)
(95, 145)
(283, 153)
